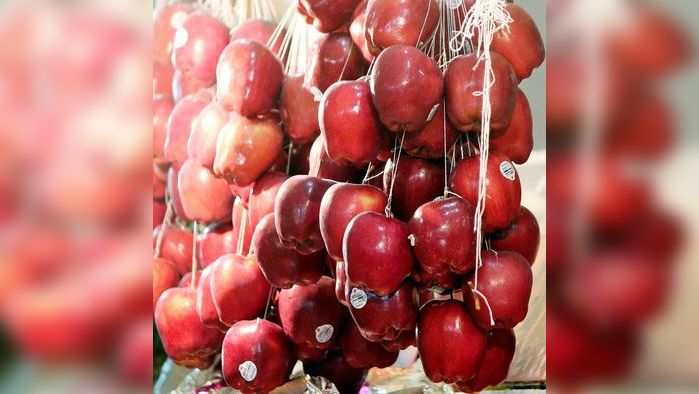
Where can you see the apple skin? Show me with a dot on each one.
(214, 243)
(340, 204)
(384, 318)
(258, 30)
(358, 32)
(184, 85)
(521, 44)
(281, 266)
(176, 247)
(246, 148)
(361, 353)
(162, 107)
(349, 123)
(335, 368)
(205, 198)
(464, 108)
(158, 212)
(377, 253)
(165, 276)
(444, 237)
(249, 78)
(300, 164)
(328, 15)
(264, 192)
(305, 311)
(163, 75)
(517, 141)
(340, 282)
(448, 322)
(296, 212)
(499, 351)
(263, 344)
(505, 279)
(185, 339)
(166, 21)
(440, 282)
(428, 143)
(407, 85)
(322, 166)
(405, 340)
(204, 301)
(179, 125)
(335, 58)
(503, 195)
(299, 110)
(198, 44)
(234, 279)
(418, 181)
(522, 236)
(406, 22)
(201, 145)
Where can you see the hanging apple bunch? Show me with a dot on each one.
(335, 187)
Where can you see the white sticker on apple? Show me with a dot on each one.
(248, 370)
(358, 298)
(324, 333)
(508, 170)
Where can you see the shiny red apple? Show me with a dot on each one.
(503, 190)
(176, 247)
(205, 302)
(214, 242)
(322, 166)
(493, 369)
(349, 123)
(407, 85)
(406, 22)
(179, 125)
(428, 143)
(283, 267)
(517, 141)
(335, 58)
(417, 181)
(201, 146)
(299, 110)
(361, 353)
(162, 107)
(260, 31)
(165, 276)
(198, 44)
(239, 289)
(383, 318)
(296, 209)
(184, 84)
(264, 191)
(256, 357)
(521, 43)
(166, 21)
(247, 148)
(205, 198)
(249, 77)
(329, 15)
(522, 236)
(340, 204)
(448, 322)
(358, 32)
(505, 280)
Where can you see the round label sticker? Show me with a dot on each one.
(181, 37)
(508, 170)
(324, 333)
(248, 370)
(358, 298)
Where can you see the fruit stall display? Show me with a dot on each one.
(336, 182)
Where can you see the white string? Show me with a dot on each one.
(396, 160)
(242, 231)
(195, 235)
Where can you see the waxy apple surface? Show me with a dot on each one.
(264, 192)
(166, 21)
(299, 110)
(428, 143)
(406, 22)
(239, 289)
(522, 236)
(179, 125)
(322, 166)
(383, 318)
(198, 44)
(201, 145)
(205, 302)
(517, 141)
(215, 242)
(176, 247)
(260, 31)
(335, 58)
(521, 44)
(162, 107)
(417, 181)
(205, 198)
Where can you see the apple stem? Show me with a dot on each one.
(161, 230)
(195, 227)
(396, 153)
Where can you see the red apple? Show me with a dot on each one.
(239, 289)
(521, 44)
(158, 212)
(249, 77)
(349, 123)
(335, 58)
(336, 369)
(283, 267)
(246, 148)
(464, 77)
(517, 141)
(405, 340)
(322, 166)
(163, 74)
(299, 110)
(383, 318)
(439, 282)
(505, 279)
(443, 236)
(406, 22)
(166, 21)
(264, 192)
(448, 322)
(179, 125)
(417, 181)
(377, 253)
(522, 236)
(363, 354)
(159, 186)
(300, 159)
(428, 143)
(358, 31)
(198, 44)
(340, 204)
(306, 353)
(186, 340)
(184, 84)
(176, 247)
(341, 282)
(205, 302)
(165, 276)
(296, 209)
(311, 315)
(260, 31)
(205, 198)
(329, 15)
(201, 146)
(407, 85)
(162, 107)
(215, 242)
(503, 190)
(493, 370)
(256, 357)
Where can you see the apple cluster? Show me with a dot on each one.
(338, 205)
